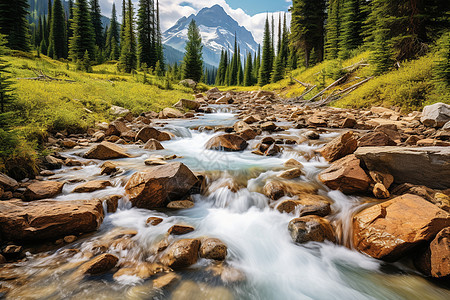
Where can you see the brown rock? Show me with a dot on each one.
(274, 190)
(376, 138)
(106, 150)
(112, 202)
(70, 239)
(142, 270)
(268, 126)
(171, 113)
(213, 249)
(348, 123)
(346, 175)
(181, 253)
(108, 168)
(153, 144)
(182, 204)
(2, 259)
(48, 219)
(226, 142)
(316, 122)
(148, 132)
(154, 221)
(435, 261)
(310, 228)
(380, 191)
(248, 134)
(100, 264)
(308, 205)
(68, 144)
(291, 163)
(43, 190)
(166, 280)
(116, 128)
(92, 186)
(187, 104)
(390, 229)
(160, 185)
(180, 229)
(339, 147)
(8, 183)
(251, 119)
(291, 173)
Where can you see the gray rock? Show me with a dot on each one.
(427, 166)
(435, 115)
(117, 110)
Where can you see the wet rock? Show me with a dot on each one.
(12, 252)
(154, 221)
(43, 190)
(226, 142)
(292, 163)
(380, 191)
(377, 138)
(48, 219)
(435, 260)
(187, 104)
(182, 204)
(307, 205)
(252, 119)
(181, 254)
(171, 113)
(189, 290)
(348, 123)
(117, 110)
(70, 239)
(346, 175)
(8, 183)
(2, 259)
(72, 163)
(142, 270)
(291, 173)
(422, 166)
(310, 228)
(390, 229)
(153, 145)
(312, 135)
(316, 121)
(274, 190)
(68, 144)
(108, 168)
(248, 134)
(160, 185)
(339, 147)
(166, 281)
(180, 229)
(100, 264)
(92, 186)
(52, 163)
(268, 126)
(147, 133)
(116, 128)
(106, 150)
(272, 150)
(383, 178)
(435, 115)
(212, 248)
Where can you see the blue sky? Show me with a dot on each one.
(248, 13)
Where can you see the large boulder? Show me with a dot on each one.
(226, 142)
(346, 175)
(435, 261)
(48, 219)
(181, 254)
(106, 150)
(171, 113)
(377, 138)
(435, 115)
(390, 229)
(429, 166)
(8, 183)
(147, 133)
(160, 185)
(187, 104)
(153, 144)
(339, 147)
(116, 128)
(43, 190)
(310, 229)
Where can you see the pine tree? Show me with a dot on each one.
(49, 10)
(222, 68)
(307, 28)
(124, 22)
(14, 24)
(442, 68)
(146, 33)
(128, 58)
(333, 29)
(266, 66)
(96, 19)
(240, 73)
(83, 38)
(350, 29)
(159, 44)
(193, 61)
(234, 66)
(248, 73)
(69, 23)
(6, 96)
(113, 37)
(257, 64)
(57, 47)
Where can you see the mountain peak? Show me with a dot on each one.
(218, 31)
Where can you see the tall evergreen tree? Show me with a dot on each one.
(223, 64)
(350, 29)
(14, 24)
(83, 38)
(5, 83)
(124, 21)
(442, 69)
(240, 72)
(267, 57)
(193, 60)
(69, 23)
(146, 33)
(333, 29)
(234, 66)
(159, 44)
(96, 19)
(257, 64)
(128, 58)
(113, 37)
(57, 39)
(248, 73)
(307, 28)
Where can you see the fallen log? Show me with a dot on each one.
(328, 87)
(306, 85)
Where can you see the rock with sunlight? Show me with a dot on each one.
(48, 219)
(181, 254)
(147, 133)
(226, 142)
(435, 261)
(92, 186)
(157, 186)
(310, 229)
(212, 248)
(391, 229)
(339, 147)
(43, 190)
(106, 150)
(435, 115)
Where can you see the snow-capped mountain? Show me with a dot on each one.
(218, 31)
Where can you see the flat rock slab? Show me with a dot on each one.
(106, 150)
(392, 228)
(429, 166)
(48, 219)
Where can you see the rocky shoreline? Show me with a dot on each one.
(400, 162)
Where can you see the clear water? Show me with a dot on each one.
(259, 245)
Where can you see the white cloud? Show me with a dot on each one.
(172, 10)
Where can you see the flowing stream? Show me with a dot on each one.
(260, 250)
